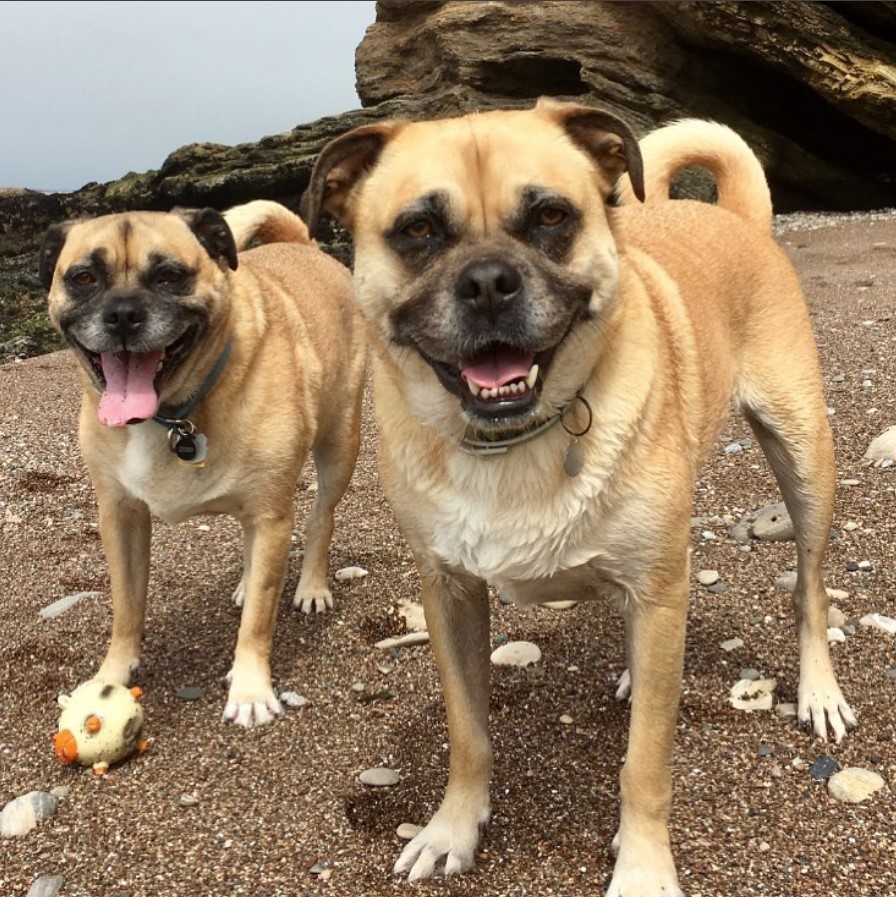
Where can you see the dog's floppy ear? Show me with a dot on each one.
(213, 233)
(50, 248)
(342, 163)
(606, 138)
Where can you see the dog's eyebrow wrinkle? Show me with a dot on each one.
(434, 204)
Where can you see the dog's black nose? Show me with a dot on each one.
(124, 317)
(490, 285)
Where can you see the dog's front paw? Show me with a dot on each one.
(118, 670)
(249, 713)
(251, 700)
(821, 705)
(442, 847)
(313, 600)
(651, 876)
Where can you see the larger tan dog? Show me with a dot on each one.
(208, 378)
(550, 372)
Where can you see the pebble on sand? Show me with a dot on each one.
(732, 644)
(57, 608)
(708, 577)
(46, 886)
(23, 813)
(403, 641)
(753, 694)
(879, 621)
(407, 831)
(379, 777)
(350, 573)
(516, 654)
(854, 784)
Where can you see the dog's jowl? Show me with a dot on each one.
(210, 374)
(551, 368)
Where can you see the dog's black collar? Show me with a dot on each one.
(473, 446)
(180, 415)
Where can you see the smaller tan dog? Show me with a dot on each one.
(209, 375)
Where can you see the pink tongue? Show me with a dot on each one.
(498, 368)
(130, 394)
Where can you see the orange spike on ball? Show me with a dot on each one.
(65, 746)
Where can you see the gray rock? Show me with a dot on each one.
(190, 693)
(708, 577)
(823, 767)
(407, 831)
(516, 654)
(57, 608)
(379, 777)
(773, 524)
(46, 886)
(293, 699)
(23, 813)
(740, 532)
(403, 641)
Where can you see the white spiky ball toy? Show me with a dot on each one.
(100, 724)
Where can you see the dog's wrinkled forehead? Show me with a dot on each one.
(480, 170)
(130, 243)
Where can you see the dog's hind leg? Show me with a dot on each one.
(334, 460)
(790, 422)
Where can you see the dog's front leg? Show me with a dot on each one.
(251, 700)
(656, 628)
(125, 530)
(457, 616)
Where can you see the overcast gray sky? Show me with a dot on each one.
(93, 90)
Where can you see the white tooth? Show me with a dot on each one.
(532, 376)
(473, 387)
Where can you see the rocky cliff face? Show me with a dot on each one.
(812, 87)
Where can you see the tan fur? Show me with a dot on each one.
(662, 314)
(290, 388)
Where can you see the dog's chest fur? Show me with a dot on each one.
(172, 489)
(494, 526)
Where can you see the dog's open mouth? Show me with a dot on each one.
(131, 382)
(499, 381)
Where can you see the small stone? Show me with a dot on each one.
(854, 784)
(403, 641)
(350, 573)
(326, 875)
(732, 644)
(773, 524)
(786, 710)
(879, 621)
(837, 594)
(516, 654)
(734, 448)
(718, 588)
(293, 699)
(823, 767)
(46, 886)
(318, 867)
(23, 813)
(407, 831)
(786, 581)
(566, 719)
(740, 532)
(358, 687)
(61, 792)
(753, 694)
(836, 617)
(190, 693)
(890, 673)
(188, 800)
(750, 673)
(708, 577)
(414, 618)
(57, 608)
(765, 750)
(836, 634)
(379, 777)
(559, 605)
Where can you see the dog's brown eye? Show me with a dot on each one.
(83, 279)
(550, 216)
(419, 229)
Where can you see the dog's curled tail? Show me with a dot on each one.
(740, 180)
(267, 222)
